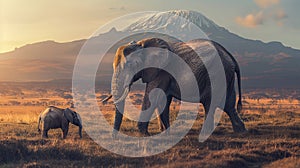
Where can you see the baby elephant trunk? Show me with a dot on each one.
(80, 131)
(78, 122)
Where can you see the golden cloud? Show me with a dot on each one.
(280, 14)
(251, 20)
(266, 3)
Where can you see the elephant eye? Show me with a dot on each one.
(129, 64)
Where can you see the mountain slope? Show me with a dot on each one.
(39, 61)
(258, 59)
(262, 64)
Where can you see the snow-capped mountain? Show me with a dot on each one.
(185, 25)
(182, 19)
(262, 64)
(258, 59)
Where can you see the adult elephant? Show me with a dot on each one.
(142, 53)
(54, 117)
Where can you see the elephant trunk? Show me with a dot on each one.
(39, 121)
(121, 82)
(80, 131)
(117, 91)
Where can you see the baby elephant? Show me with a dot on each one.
(54, 117)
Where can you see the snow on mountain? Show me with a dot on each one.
(186, 25)
(182, 19)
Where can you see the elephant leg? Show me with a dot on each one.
(237, 123)
(149, 107)
(45, 133)
(118, 118)
(64, 133)
(206, 109)
(164, 116)
(160, 124)
(45, 129)
(209, 121)
(65, 129)
(147, 111)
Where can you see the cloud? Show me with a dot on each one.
(269, 11)
(279, 14)
(251, 20)
(266, 3)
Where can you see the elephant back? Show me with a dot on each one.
(52, 112)
(194, 53)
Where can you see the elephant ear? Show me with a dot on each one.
(69, 115)
(156, 53)
(119, 58)
(122, 52)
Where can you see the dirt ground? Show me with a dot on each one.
(272, 140)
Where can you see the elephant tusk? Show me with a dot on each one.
(106, 99)
(125, 93)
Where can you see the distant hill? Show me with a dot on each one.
(39, 61)
(263, 65)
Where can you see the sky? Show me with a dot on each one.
(30, 21)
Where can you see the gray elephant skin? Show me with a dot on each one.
(125, 61)
(54, 117)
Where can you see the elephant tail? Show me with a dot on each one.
(238, 74)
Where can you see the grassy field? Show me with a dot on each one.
(272, 140)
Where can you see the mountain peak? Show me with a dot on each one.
(165, 20)
(113, 30)
(195, 17)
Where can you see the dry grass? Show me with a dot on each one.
(272, 139)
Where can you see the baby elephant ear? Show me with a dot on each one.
(68, 114)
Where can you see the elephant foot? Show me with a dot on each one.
(239, 129)
(45, 134)
(114, 134)
(143, 128)
(144, 134)
(161, 129)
